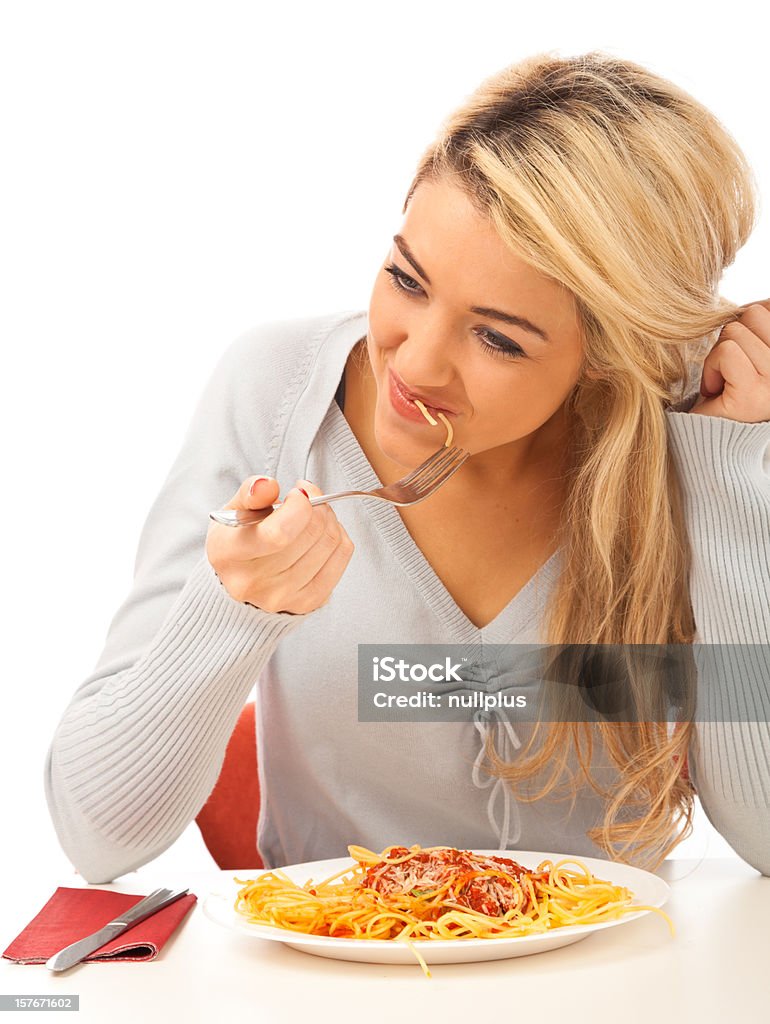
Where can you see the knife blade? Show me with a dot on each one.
(77, 951)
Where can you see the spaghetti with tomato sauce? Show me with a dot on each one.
(487, 884)
(436, 893)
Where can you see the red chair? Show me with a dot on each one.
(228, 819)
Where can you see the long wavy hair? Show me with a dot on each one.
(619, 185)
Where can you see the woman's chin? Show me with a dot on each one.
(404, 445)
(408, 445)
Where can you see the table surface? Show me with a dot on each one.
(717, 965)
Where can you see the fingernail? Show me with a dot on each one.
(251, 489)
(304, 492)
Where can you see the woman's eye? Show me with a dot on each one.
(500, 346)
(402, 282)
(493, 343)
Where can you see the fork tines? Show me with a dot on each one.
(440, 465)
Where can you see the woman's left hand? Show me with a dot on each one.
(735, 382)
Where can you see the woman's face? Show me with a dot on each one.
(500, 372)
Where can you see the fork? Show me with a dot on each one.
(413, 488)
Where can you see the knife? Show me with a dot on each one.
(77, 951)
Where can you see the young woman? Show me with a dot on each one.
(553, 289)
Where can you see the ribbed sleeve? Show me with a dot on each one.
(725, 471)
(140, 745)
(130, 768)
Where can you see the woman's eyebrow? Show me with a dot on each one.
(494, 314)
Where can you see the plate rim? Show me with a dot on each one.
(272, 933)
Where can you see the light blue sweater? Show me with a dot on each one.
(141, 743)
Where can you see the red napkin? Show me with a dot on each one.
(72, 914)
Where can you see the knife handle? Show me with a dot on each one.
(149, 905)
(79, 950)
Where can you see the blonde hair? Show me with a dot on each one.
(623, 188)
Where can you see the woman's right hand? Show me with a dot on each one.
(291, 561)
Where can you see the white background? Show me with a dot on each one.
(174, 173)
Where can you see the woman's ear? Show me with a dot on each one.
(592, 374)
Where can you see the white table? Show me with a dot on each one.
(716, 969)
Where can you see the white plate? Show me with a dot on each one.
(646, 887)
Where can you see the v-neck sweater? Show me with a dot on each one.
(141, 743)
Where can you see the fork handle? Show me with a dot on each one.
(240, 517)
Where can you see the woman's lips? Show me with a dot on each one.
(405, 405)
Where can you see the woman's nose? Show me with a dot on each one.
(426, 359)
